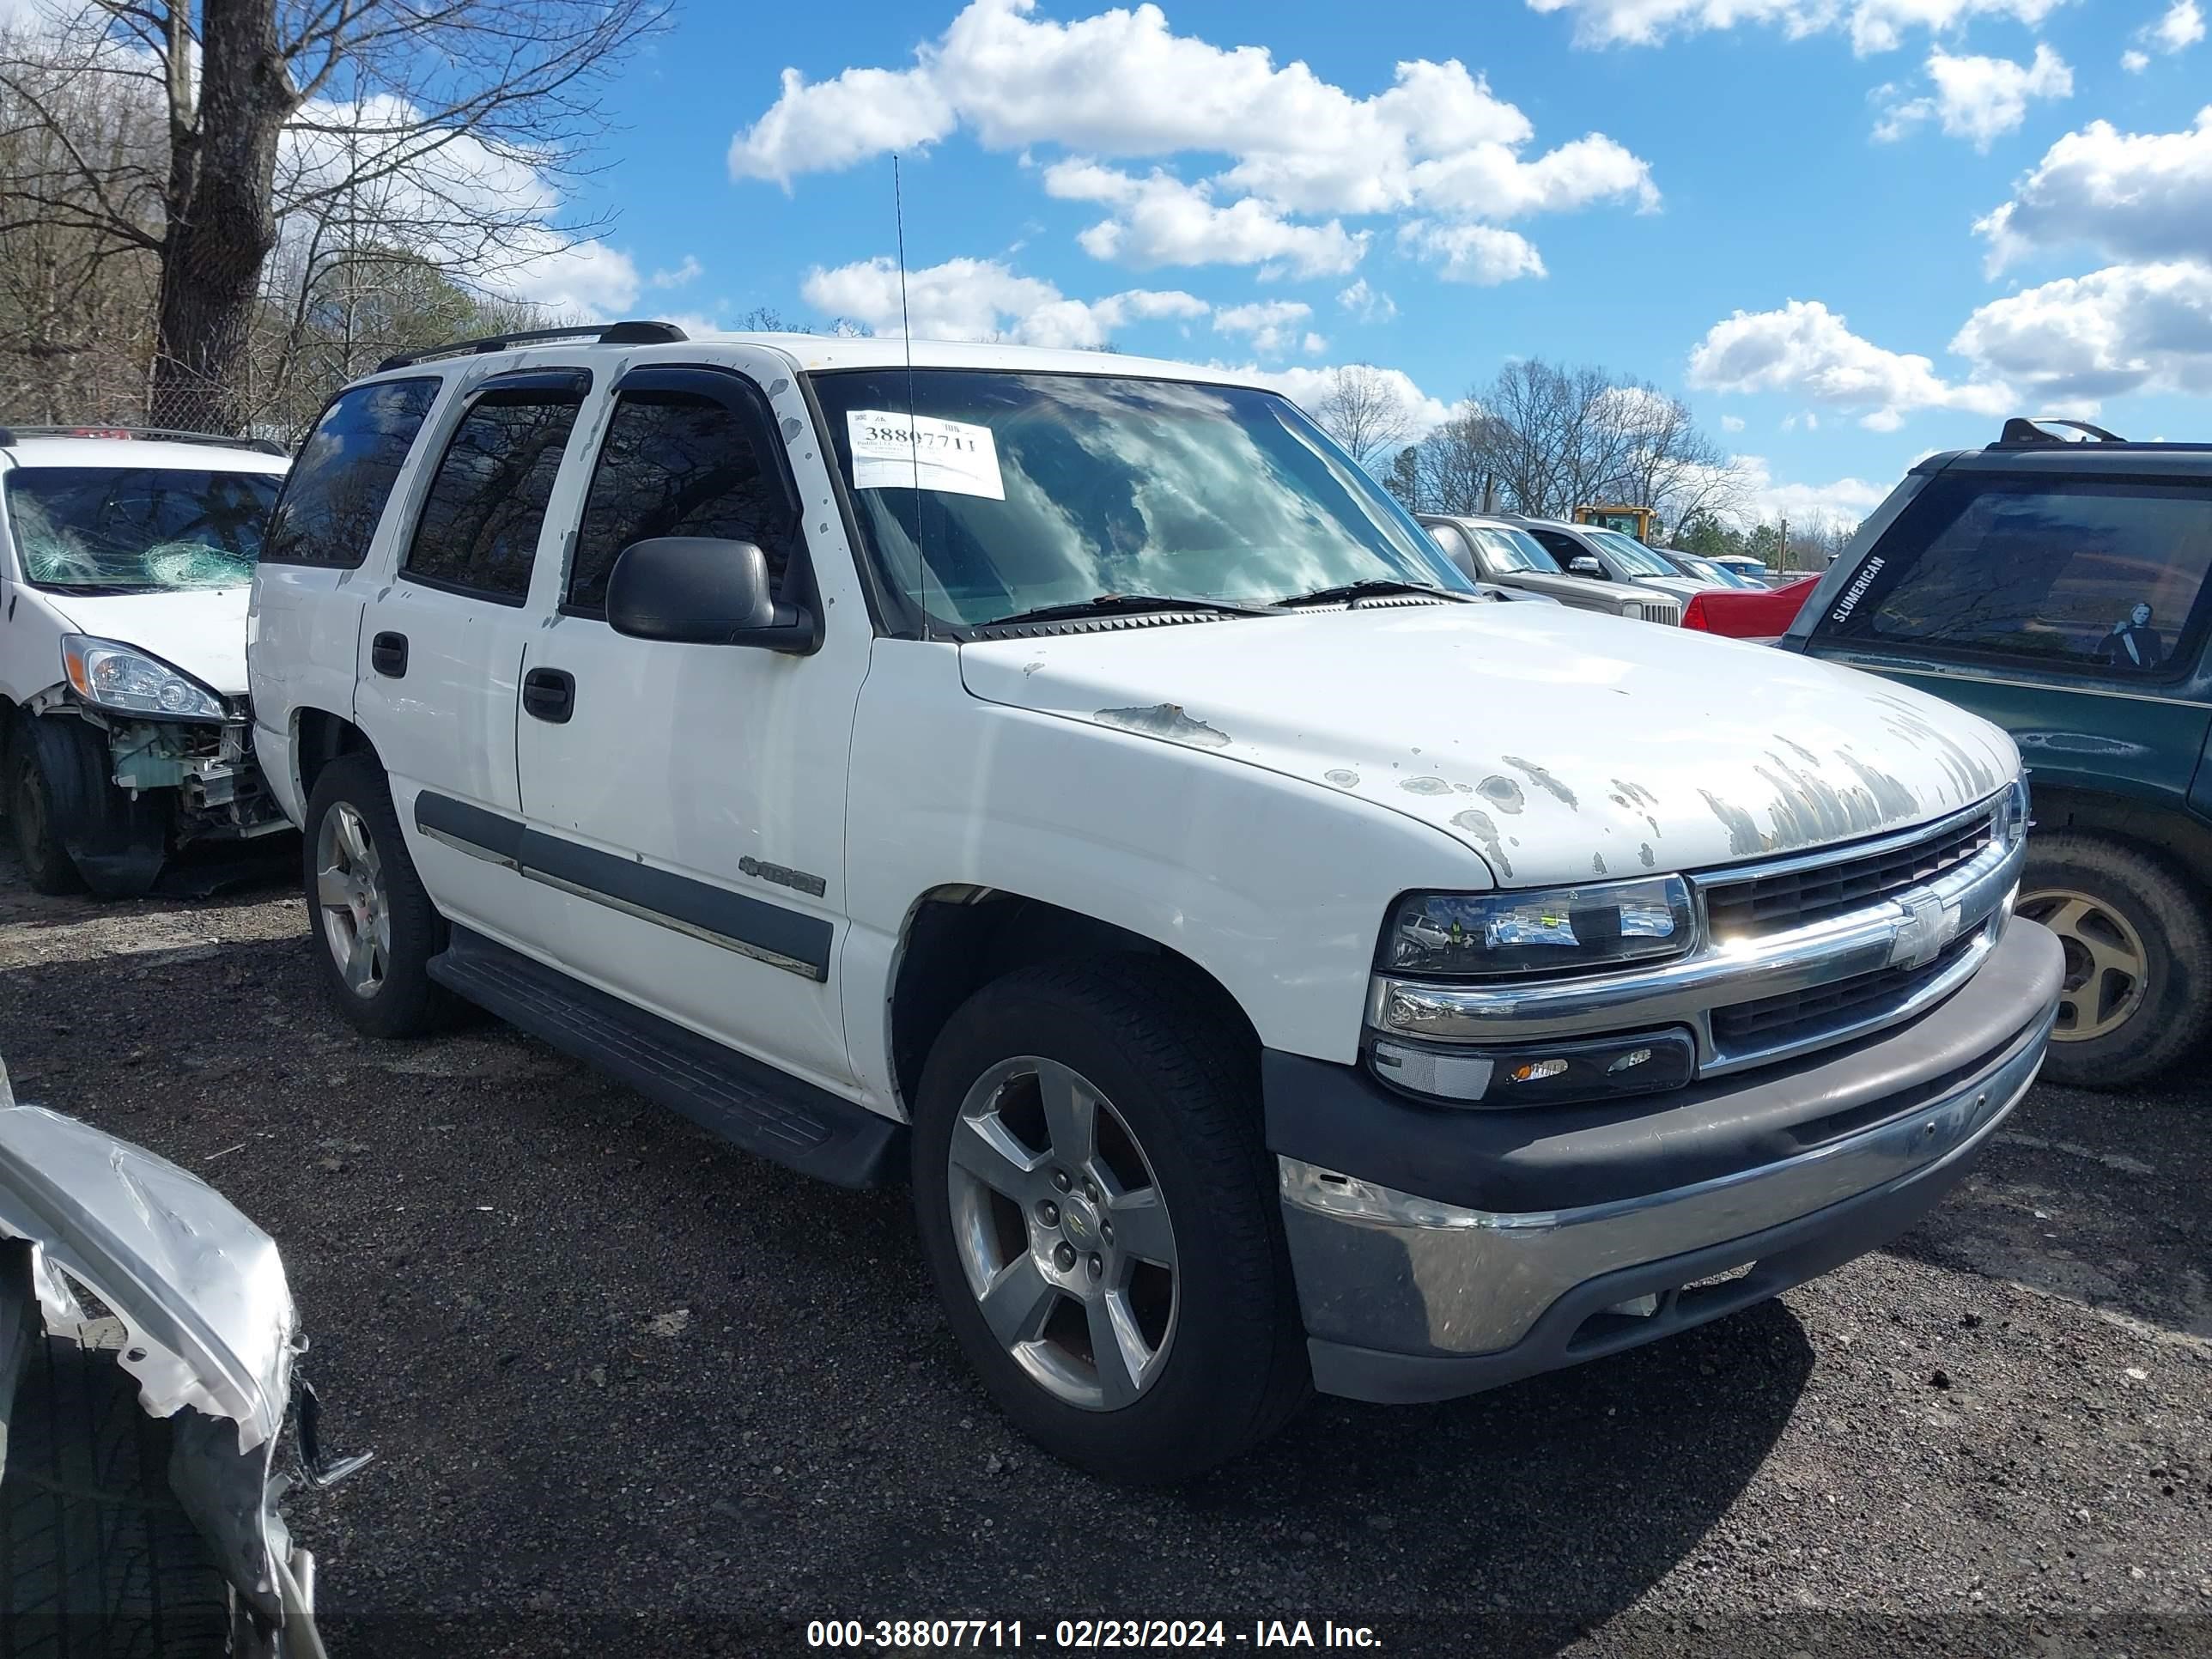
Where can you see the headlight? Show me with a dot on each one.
(2010, 821)
(1490, 935)
(111, 676)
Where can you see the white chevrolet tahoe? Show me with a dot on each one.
(1068, 781)
(126, 559)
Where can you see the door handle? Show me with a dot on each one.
(388, 655)
(549, 694)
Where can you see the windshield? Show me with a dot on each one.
(1516, 549)
(1045, 489)
(1636, 558)
(137, 530)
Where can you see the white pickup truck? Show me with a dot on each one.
(1068, 781)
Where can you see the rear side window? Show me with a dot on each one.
(2101, 576)
(677, 463)
(478, 533)
(343, 476)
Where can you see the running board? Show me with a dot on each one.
(746, 1103)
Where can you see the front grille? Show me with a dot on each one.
(1775, 903)
(1778, 1021)
(1666, 612)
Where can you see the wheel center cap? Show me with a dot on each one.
(1078, 1222)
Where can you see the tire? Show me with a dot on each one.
(1228, 1364)
(2138, 993)
(46, 863)
(400, 998)
(99, 1560)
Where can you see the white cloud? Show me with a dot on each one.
(2182, 27)
(689, 269)
(2124, 328)
(985, 299)
(2134, 62)
(1481, 254)
(1121, 83)
(478, 209)
(1309, 388)
(1367, 303)
(586, 279)
(1731, 423)
(1764, 498)
(1979, 98)
(1273, 325)
(2132, 195)
(1874, 25)
(1159, 220)
(1807, 350)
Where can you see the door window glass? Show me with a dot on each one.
(677, 463)
(339, 485)
(478, 530)
(2085, 573)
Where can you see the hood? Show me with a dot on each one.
(1561, 745)
(200, 630)
(1684, 588)
(1564, 587)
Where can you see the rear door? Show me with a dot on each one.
(2070, 609)
(303, 628)
(442, 645)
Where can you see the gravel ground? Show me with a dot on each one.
(632, 1392)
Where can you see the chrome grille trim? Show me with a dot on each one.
(1919, 930)
(1733, 898)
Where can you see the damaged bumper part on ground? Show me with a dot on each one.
(147, 1346)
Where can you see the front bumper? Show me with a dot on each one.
(1555, 1235)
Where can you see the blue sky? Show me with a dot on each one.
(1847, 231)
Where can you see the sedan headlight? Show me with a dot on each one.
(109, 675)
(1491, 934)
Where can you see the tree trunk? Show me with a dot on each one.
(221, 230)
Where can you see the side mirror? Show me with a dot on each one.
(699, 590)
(1584, 565)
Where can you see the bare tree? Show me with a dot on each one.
(1545, 439)
(446, 129)
(1364, 411)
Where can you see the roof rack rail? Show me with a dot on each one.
(628, 333)
(9, 435)
(2023, 431)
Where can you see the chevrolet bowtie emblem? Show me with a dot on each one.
(1927, 927)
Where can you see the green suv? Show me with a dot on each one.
(2058, 587)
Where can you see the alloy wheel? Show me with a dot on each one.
(1063, 1233)
(2107, 967)
(350, 892)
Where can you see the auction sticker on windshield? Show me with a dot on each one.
(892, 451)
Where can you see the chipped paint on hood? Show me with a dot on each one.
(1553, 741)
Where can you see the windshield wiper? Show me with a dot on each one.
(1106, 603)
(1351, 592)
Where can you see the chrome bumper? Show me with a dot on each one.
(1970, 903)
(1388, 1271)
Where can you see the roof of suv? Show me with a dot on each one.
(826, 353)
(31, 451)
(2027, 446)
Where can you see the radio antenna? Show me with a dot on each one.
(913, 439)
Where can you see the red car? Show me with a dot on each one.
(1765, 616)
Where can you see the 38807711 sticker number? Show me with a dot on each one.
(900, 451)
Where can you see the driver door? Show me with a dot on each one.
(692, 797)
